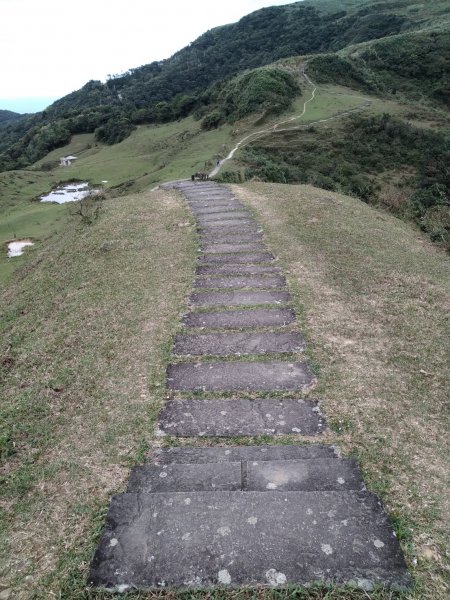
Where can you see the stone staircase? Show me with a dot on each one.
(230, 516)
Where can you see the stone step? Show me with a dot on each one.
(229, 248)
(221, 238)
(255, 281)
(237, 538)
(242, 258)
(225, 224)
(240, 417)
(324, 474)
(148, 479)
(224, 216)
(232, 376)
(219, 454)
(236, 319)
(206, 271)
(238, 298)
(238, 343)
(212, 208)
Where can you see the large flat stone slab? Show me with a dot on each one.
(240, 417)
(325, 474)
(239, 376)
(244, 257)
(219, 454)
(234, 539)
(238, 298)
(237, 343)
(235, 319)
(185, 478)
(205, 271)
(254, 282)
(308, 475)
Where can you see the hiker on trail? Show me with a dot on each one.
(218, 162)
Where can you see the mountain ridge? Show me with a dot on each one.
(170, 89)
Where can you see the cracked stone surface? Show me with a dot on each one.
(240, 417)
(225, 344)
(238, 298)
(275, 281)
(154, 541)
(259, 317)
(234, 376)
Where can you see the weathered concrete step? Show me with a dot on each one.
(251, 281)
(240, 417)
(225, 224)
(324, 474)
(303, 475)
(221, 238)
(213, 208)
(233, 539)
(186, 478)
(239, 376)
(229, 248)
(235, 319)
(236, 270)
(224, 216)
(242, 258)
(219, 454)
(227, 344)
(237, 298)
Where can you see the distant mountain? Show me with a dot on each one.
(7, 116)
(173, 88)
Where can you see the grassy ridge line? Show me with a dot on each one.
(84, 329)
(373, 296)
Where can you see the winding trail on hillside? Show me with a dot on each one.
(276, 128)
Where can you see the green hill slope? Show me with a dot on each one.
(84, 335)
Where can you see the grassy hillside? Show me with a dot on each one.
(84, 343)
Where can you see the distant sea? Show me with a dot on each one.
(27, 105)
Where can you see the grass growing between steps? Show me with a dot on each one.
(84, 327)
(373, 298)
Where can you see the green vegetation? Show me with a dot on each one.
(269, 91)
(84, 327)
(172, 89)
(373, 296)
(354, 159)
(410, 66)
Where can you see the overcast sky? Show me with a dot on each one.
(49, 48)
